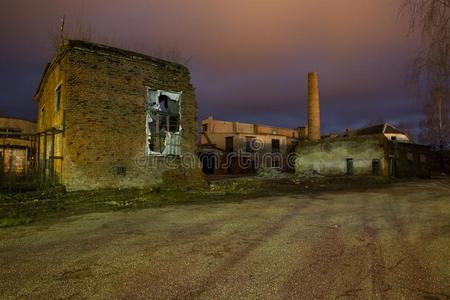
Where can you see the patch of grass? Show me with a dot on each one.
(11, 221)
(23, 208)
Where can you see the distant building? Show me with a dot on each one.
(371, 154)
(16, 147)
(111, 118)
(380, 150)
(391, 132)
(235, 147)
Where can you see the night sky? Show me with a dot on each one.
(248, 58)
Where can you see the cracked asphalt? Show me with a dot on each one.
(388, 243)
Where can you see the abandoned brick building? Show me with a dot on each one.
(16, 147)
(236, 147)
(380, 150)
(116, 117)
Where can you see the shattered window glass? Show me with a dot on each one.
(163, 123)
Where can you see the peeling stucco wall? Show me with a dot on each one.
(329, 156)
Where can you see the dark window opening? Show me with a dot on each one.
(229, 144)
(350, 166)
(276, 163)
(205, 127)
(11, 132)
(58, 98)
(42, 115)
(393, 138)
(122, 171)
(275, 146)
(250, 144)
(163, 103)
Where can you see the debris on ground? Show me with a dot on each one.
(270, 173)
(310, 173)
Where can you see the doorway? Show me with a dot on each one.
(349, 166)
(376, 167)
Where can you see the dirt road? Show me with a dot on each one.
(390, 243)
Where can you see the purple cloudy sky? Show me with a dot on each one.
(249, 58)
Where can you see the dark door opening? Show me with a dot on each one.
(229, 144)
(376, 167)
(350, 166)
(392, 167)
(208, 163)
(275, 146)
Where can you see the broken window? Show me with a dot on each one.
(163, 123)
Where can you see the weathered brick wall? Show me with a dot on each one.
(104, 102)
(49, 117)
(328, 156)
(411, 160)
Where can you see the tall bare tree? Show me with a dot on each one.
(430, 70)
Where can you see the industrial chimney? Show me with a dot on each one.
(313, 107)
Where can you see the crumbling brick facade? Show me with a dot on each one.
(102, 110)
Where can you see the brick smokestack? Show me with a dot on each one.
(313, 107)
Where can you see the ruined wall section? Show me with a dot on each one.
(329, 156)
(106, 116)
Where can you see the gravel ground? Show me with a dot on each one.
(390, 243)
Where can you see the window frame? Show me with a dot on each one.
(161, 135)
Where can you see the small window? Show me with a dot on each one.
(205, 127)
(120, 171)
(11, 132)
(275, 146)
(58, 98)
(393, 138)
